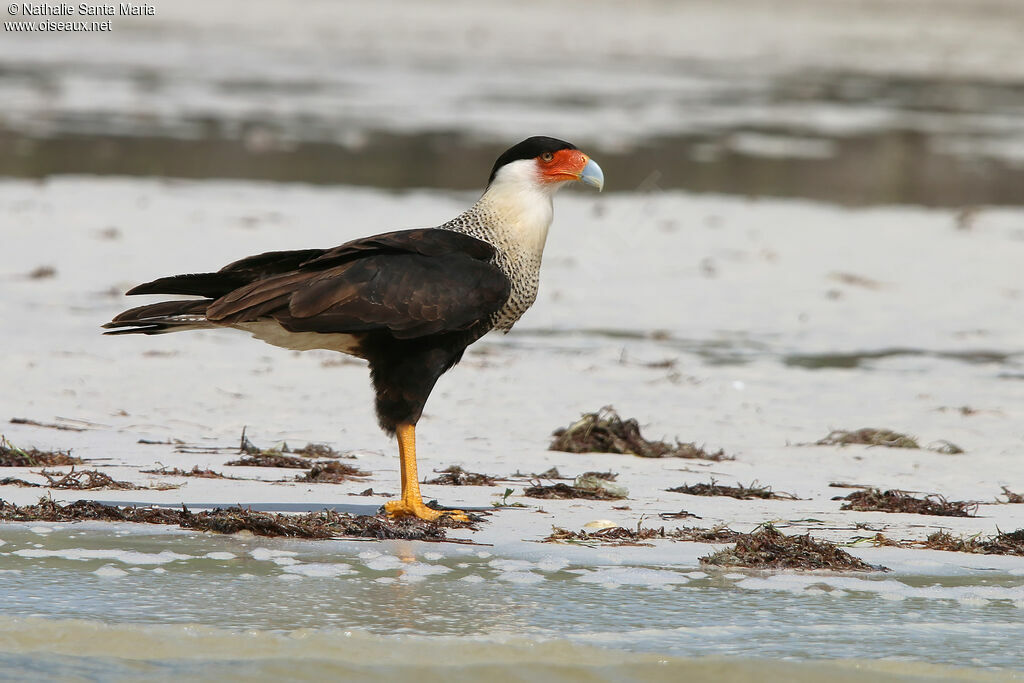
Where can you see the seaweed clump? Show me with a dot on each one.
(12, 456)
(606, 432)
(14, 481)
(1012, 497)
(1011, 543)
(617, 535)
(739, 491)
(875, 500)
(313, 525)
(563, 491)
(318, 450)
(454, 475)
(81, 480)
(868, 437)
(269, 459)
(331, 472)
(589, 485)
(768, 548)
(196, 471)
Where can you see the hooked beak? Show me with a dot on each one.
(592, 175)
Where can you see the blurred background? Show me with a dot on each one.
(850, 101)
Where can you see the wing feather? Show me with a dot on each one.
(411, 283)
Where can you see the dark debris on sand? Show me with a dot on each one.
(454, 475)
(739, 491)
(1012, 497)
(868, 437)
(562, 491)
(621, 536)
(270, 459)
(313, 525)
(331, 472)
(318, 450)
(14, 481)
(887, 438)
(615, 536)
(12, 456)
(1011, 543)
(551, 473)
(876, 500)
(606, 432)
(196, 471)
(310, 450)
(768, 548)
(81, 480)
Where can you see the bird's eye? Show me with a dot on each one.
(547, 156)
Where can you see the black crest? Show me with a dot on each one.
(530, 148)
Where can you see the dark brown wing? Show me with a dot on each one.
(411, 283)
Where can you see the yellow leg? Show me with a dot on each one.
(411, 503)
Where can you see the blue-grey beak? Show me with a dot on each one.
(592, 175)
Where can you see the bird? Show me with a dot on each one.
(409, 302)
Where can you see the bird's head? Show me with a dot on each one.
(545, 163)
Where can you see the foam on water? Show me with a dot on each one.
(126, 556)
(633, 576)
(889, 589)
(319, 569)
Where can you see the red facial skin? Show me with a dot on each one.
(565, 164)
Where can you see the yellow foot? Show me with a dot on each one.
(404, 508)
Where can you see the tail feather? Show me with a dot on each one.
(161, 318)
(210, 285)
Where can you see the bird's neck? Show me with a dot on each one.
(513, 217)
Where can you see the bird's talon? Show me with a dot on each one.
(404, 508)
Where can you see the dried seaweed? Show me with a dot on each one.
(945, 447)
(14, 481)
(1012, 497)
(562, 491)
(85, 479)
(313, 525)
(615, 536)
(1011, 543)
(270, 459)
(551, 473)
(875, 500)
(82, 480)
(682, 514)
(718, 534)
(331, 472)
(47, 425)
(739, 491)
(606, 432)
(318, 450)
(12, 456)
(868, 437)
(618, 536)
(194, 472)
(768, 548)
(454, 475)
(371, 492)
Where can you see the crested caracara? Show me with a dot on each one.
(408, 302)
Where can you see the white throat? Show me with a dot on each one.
(519, 204)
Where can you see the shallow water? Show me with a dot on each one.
(233, 596)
